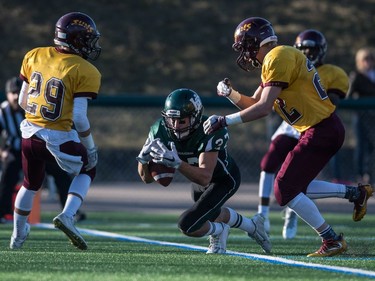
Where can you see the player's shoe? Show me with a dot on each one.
(290, 224)
(360, 205)
(218, 243)
(259, 235)
(331, 247)
(17, 242)
(66, 225)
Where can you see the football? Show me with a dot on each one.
(161, 173)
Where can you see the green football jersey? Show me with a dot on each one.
(190, 149)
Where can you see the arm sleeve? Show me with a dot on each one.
(80, 119)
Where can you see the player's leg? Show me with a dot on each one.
(294, 174)
(33, 178)
(271, 161)
(76, 195)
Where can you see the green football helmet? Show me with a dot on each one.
(179, 104)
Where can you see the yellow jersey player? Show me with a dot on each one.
(292, 87)
(57, 83)
(336, 83)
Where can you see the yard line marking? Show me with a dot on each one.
(264, 258)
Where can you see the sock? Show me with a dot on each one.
(305, 208)
(264, 210)
(328, 233)
(215, 228)
(322, 189)
(238, 221)
(352, 193)
(24, 202)
(266, 181)
(72, 205)
(77, 192)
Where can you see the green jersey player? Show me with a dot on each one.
(177, 140)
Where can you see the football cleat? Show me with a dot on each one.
(259, 235)
(17, 242)
(290, 224)
(218, 243)
(360, 205)
(66, 225)
(331, 247)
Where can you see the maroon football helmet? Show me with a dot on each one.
(78, 32)
(249, 36)
(313, 44)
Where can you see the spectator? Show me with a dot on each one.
(57, 83)
(363, 86)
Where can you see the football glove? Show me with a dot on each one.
(224, 88)
(92, 157)
(162, 155)
(144, 155)
(214, 123)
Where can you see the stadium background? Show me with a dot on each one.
(151, 47)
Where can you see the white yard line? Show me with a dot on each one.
(264, 258)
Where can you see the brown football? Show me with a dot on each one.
(161, 173)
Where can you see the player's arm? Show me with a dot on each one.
(202, 174)
(261, 108)
(144, 173)
(82, 126)
(22, 99)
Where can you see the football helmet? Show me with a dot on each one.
(179, 104)
(313, 44)
(249, 36)
(78, 32)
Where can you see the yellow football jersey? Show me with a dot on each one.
(303, 101)
(55, 79)
(334, 79)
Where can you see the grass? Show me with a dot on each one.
(47, 255)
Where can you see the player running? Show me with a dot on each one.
(291, 86)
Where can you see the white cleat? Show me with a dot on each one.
(259, 235)
(218, 243)
(66, 225)
(17, 242)
(267, 225)
(290, 224)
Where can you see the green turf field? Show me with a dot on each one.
(163, 253)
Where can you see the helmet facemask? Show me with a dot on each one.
(171, 117)
(248, 50)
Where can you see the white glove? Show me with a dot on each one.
(224, 88)
(92, 157)
(162, 155)
(144, 155)
(214, 123)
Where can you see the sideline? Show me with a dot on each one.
(264, 258)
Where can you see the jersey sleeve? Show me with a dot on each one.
(217, 141)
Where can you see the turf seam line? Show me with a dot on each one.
(264, 258)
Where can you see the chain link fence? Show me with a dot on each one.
(120, 130)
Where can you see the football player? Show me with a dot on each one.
(291, 86)
(57, 83)
(177, 140)
(336, 83)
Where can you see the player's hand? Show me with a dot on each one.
(92, 157)
(144, 155)
(162, 155)
(214, 123)
(224, 88)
